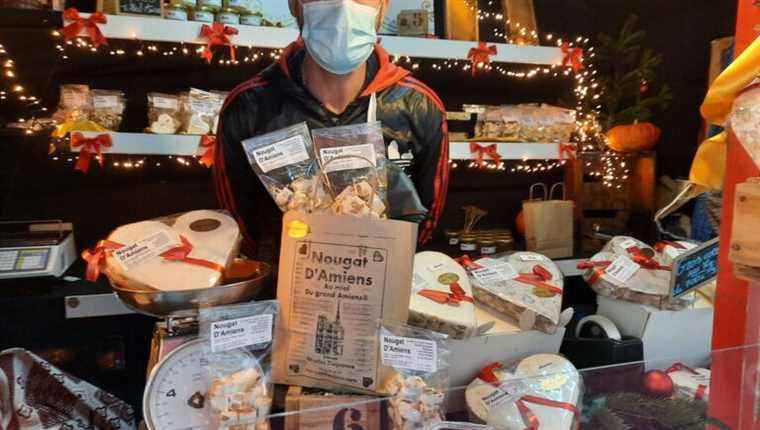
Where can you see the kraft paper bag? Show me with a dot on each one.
(549, 223)
(338, 277)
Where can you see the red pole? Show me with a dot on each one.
(733, 389)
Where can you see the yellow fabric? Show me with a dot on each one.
(83, 125)
(709, 165)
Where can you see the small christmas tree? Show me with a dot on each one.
(628, 76)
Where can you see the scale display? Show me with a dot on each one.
(24, 260)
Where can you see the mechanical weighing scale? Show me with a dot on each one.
(175, 392)
(36, 248)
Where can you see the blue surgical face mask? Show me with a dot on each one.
(339, 34)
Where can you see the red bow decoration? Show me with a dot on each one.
(481, 151)
(96, 259)
(480, 56)
(217, 34)
(598, 266)
(209, 143)
(182, 253)
(639, 257)
(466, 262)
(572, 57)
(456, 296)
(538, 279)
(91, 145)
(487, 374)
(89, 24)
(567, 151)
(677, 367)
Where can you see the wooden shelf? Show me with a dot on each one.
(508, 151)
(164, 30)
(149, 144)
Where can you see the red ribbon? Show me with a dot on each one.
(701, 388)
(572, 57)
(466, 262)
(456, 296)
(209, 143)
(480, 55)
(89, 24)
(661, 245)
(487, 374)
(91, 145)
(182, 253)
(482, 151)
(538, 279)
(217, 34)
(567, 151)
(639, 257)
(598, 266)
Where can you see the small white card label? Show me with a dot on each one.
(436, 267)
(507, 392)
(627, 243)
(622, 268)
(531, 257)
(357, 153)
(241, 332)
(104, 102)
(165, 103)
(286, 152)
(135, 254)
(409, 353)
(493, 274)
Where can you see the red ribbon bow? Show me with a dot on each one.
(89, 24)
(639, 257)
(572, 57)
(456, 296)
(217, 34)
(96, 258)
(567, 151)
(466, 262)
(480, 56)
(481, 151)
(538, 278)
(598, 266)
(209, 143)
(677, 367)
(90, 145)
(182, 253)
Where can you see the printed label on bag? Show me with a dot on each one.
(104, 102)
(507, 392)
(241, 332)
(366, 150)
(164, 103)
(628, 243)
(622, 269)
(139, 252)
(408, 353)
(531, 257)
(289, 151)
(493, 274)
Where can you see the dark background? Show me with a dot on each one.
(35, 186)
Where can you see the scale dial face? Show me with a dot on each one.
(175, 395)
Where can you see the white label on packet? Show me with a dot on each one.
(507, 392)
(627, 243)
(289, 151)
(622, 268)
(673, 252)
(531, 257)
(240, 332)
(165, 103)
(137, 253)
(492, 274)
(366, 150)
(409, 353)
(103, 102)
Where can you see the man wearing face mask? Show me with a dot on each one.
(335, 74)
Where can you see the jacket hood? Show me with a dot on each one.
(387, 74)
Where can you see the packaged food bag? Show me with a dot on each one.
(239, 340)
(180, 252)
(525, 286)
(201, 113)
(549, 222)
(285, 163)
(626, 269)
(441, 298)
(74, 103)
(416, 385)
(539, 391)
(164, 113)
(525, 123)
(107, 108)
(353, 160)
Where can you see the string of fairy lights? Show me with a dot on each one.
(612, 169)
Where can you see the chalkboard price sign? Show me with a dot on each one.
(694, 268)
(140, 7)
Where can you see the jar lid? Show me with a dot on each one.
(451, 232)
(468, 236)
(487, 242)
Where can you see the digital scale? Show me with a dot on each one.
(36, 248)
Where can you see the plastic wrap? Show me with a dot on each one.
(525, 123)
(285, 163)
(627, 269)
(441, 298)
(186, 251)
(744, 120)
(240, 344)
(455, 425)
(420, 360)
(107, 108)
(164, 113)
(525, 286)
(542, 388)
(74, 103)
(353, 159)
(667, 252)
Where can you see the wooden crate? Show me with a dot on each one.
(745, 231)
(320, 410)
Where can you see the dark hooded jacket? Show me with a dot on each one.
(411, 114)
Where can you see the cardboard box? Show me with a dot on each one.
(504, 342)
(668, 336)
(318, 410)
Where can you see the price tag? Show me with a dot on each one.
(137, 253)
(622, 269)
(409, 353)
(241, 332)
(531, 257)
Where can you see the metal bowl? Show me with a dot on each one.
(163, 303)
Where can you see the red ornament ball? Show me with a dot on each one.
(643, 88)
(657, 383)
